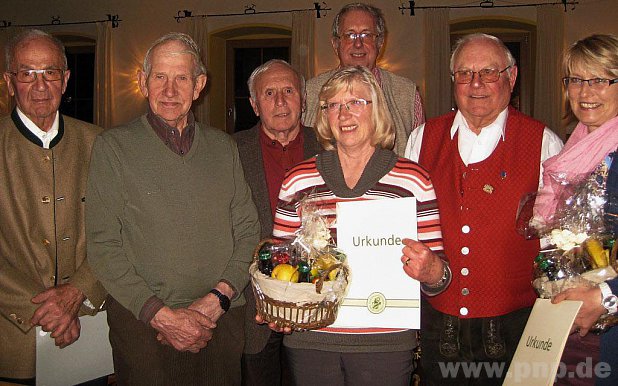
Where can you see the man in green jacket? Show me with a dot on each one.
(171, 229)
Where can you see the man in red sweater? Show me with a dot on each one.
(482, 158)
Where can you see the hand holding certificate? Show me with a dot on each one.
(420, 262)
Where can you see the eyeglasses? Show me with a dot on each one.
(594, 83)
(363, 36)
(29, 76)
(354, 106)
(486, 75)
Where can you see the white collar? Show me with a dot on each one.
(499, 125)
(45, 136)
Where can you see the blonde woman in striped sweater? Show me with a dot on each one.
(356, 130)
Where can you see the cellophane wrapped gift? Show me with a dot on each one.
(577, 248)
(300, 282)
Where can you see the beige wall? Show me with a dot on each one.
(142, 22)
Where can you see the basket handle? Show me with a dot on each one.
(261, 244)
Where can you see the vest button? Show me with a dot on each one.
(465, 291)
(465, 250)
(46, 242)
(465, 229)
(45, 200)
(463, 311)
(465, 271)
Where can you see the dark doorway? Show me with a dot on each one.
(244, 57)
(78, 99)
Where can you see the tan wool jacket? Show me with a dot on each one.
(42, 234)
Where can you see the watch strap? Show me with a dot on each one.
(224, 301)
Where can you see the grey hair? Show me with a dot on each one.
(191, 48)
(31, 34)
(375, 12)
(481, 36)
(267, 66)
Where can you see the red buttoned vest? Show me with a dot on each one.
(491, 263)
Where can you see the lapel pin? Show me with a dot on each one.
(488, 189)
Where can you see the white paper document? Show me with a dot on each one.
(380, 294)
(90, 357)
(538, 354)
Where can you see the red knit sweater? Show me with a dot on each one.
(490, 261)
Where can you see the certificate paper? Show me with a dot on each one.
(380, 294)
(536, 360)
(88, 358)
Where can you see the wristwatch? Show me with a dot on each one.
(224, 301)
(608, 299)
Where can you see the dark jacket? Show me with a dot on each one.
(250, 152)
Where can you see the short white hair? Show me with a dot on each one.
(510, 60)
(192, 49)
(267, 66)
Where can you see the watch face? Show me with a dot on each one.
(225, 302)
(610, 301)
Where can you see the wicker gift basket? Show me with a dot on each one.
(299, 306)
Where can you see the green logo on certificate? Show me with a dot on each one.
(376, 303)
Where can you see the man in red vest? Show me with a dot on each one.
(482, 158)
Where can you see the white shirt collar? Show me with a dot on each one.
(45, 136)
(477, 147)
(499, 123)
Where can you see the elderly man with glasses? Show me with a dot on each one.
(359, 31)
(482, 158)
(44, 277)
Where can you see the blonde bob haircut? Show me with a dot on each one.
(347, 78)
(595, 52)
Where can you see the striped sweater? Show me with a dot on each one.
(320, 179)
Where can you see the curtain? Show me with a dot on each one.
(437, 57)
(7, 103)
(104, 76)
(197, 28)
(302, 55)
(548, 100)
